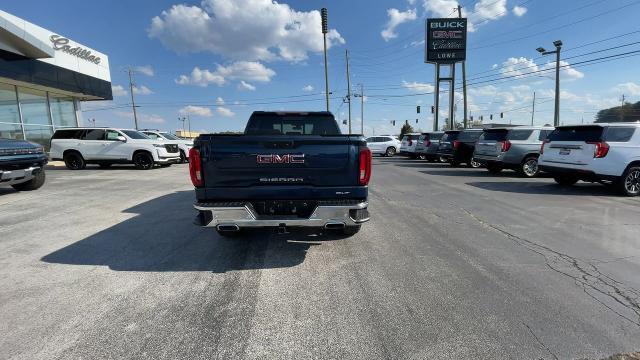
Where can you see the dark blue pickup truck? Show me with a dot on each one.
(22, 164)
(288, 169)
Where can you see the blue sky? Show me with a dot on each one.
(218, 60)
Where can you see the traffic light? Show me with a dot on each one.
(433, 109)
(418, 109)
(406, 122)
(501, 115)
(491, 117)
(480, 117)
(394, 123)
(471, 117)
(416, 121)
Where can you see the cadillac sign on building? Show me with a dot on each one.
(446, 41)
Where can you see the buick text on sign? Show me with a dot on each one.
(446, 40)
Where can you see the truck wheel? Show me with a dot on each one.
(351, 230)
(494, 169)
(565, 180)
(422, 156)
(391, 151)
(529, 167)
(143, 161)
(32, 184)
(74, 161)
(629, 183)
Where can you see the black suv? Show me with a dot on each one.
(22, 164)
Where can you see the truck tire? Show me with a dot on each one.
(74, 161)
(529, 167)
(32, 184)
(629, 183)
(143, 160)
(351, 230)
(565, 180)
(391, 151)
(474, 164)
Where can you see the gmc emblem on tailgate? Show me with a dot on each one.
(280, 159)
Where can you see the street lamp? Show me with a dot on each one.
(541, 50)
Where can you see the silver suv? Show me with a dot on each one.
(428, 145)
(515, 148)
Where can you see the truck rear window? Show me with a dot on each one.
(435, 136)
(577, 133)
(273, 124)
(410, 137)
(494, 135)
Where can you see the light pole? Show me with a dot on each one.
(183, 118)
(325, 29)
(541, 50)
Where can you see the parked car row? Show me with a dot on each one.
(22, 162)
(603, 153)
(78, 147)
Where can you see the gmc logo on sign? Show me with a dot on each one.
(280, 159)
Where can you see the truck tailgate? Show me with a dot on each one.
(274, 161)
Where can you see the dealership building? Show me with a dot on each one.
(44, 76)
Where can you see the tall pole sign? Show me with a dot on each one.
(445, 44)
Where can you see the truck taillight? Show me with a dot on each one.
(542, 146)
(456, 143)
(365, 166)
(427, 143)
(410, 142)
(602, 148)
(195, 167)
(506, 145)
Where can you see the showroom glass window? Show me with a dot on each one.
(35, 116)
(10, 127)
(63, 112)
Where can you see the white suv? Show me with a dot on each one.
(606, 153)
(408, 145)
(384, 145)
(106, 146)
(168, 138)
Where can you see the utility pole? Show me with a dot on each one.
(133, 102)
(541, 50)
(346, 52)
(182, 119)
(464, 80)
(533, 107)
(362, 109)
(622, 109)
(325, 29)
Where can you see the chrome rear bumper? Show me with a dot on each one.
(243, 215)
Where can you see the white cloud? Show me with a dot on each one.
(519, 10)
(143, 118)
(145, 70)
(142, 90)
(242, 29)
(243, 85)
(196, 110)
(483, 11)
(628, 88)
(307, 88)
(494, 66)
(118, 90)
(411, 2)
(226, 112)
(239, 70)
(518, 66)
(417, 86)
(566, 71)
(219, 101)
(396, 17)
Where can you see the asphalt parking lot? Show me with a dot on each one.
(456, 263)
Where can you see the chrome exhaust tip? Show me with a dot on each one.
(334, 225)
(228, 227)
